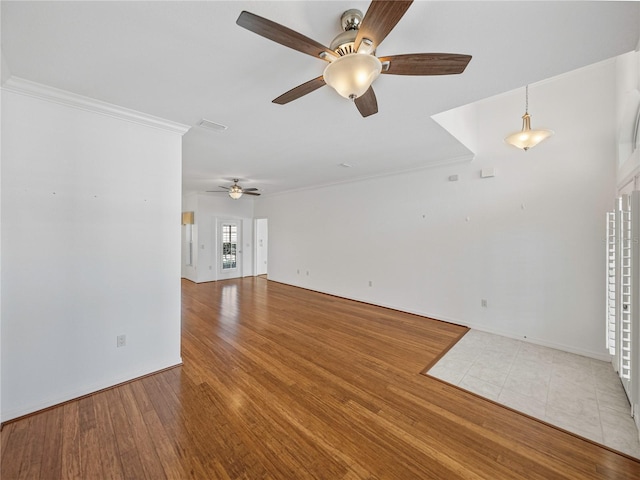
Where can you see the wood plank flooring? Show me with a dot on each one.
(283, 383)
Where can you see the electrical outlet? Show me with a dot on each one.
(370, 283)
(121, 341)
(483, 303)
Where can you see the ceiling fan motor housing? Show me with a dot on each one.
(343, 44)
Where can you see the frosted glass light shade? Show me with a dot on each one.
(235, 192)
(527, 138)
(352, 75)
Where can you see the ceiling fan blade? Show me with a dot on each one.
(367, 103)
(425, 64)
(300, 91)
(250, 193)
(281, 34)
(380, 19)
(245, 190)
(221, 186)
(216, 191)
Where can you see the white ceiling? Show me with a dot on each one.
(185, 61)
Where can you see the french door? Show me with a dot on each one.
(229, 248)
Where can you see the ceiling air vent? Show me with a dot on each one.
(209, 125)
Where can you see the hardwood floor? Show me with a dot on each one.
(283, 383)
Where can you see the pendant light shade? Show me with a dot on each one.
(352, 75)
(527, 138)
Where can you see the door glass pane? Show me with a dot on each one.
(229, 246)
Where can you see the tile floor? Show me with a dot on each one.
(575, 393)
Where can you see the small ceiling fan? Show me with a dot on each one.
(353, 65)
(235, 191)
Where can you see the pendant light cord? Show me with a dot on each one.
(526, 104)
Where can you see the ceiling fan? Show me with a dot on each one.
(353, 65)
(235, 191)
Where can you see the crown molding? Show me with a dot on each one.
(63, 97)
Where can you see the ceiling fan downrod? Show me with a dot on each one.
(351, 19)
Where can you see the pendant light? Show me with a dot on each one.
(527, 138)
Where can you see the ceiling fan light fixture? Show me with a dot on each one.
(235, 192)
(352, 75)
(528, 138)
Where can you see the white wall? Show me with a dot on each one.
(530, 240)
(90, 251)
(627, 106)
(208, 208)
(3, 74)
(262, 247)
